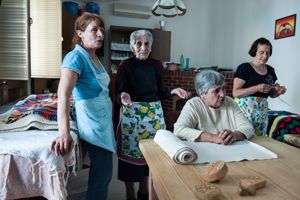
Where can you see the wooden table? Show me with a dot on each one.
(169, 180)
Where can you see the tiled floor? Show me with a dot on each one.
(77, 185)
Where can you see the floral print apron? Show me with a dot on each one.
(137, 122)
(256, 110)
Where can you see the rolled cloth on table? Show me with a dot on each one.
(175, 147)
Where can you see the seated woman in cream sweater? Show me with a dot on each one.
(211, 116)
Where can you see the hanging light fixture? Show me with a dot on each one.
(168, 8)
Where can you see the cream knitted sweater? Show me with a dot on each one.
(196, 118)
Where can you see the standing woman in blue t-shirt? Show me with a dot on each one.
(254, 82)
(84, 76)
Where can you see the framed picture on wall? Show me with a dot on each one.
(285, 27)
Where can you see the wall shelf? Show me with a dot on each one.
(120, 47)
(118, 58)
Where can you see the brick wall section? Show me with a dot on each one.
(185, 80)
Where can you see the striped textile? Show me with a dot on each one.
(44, 105)
(35, 111)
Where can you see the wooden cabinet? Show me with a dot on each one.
(49, 82)
(119, 48)
(161, 45)
(45, 38)
(68, 21)
(11, 90)
(14, 50)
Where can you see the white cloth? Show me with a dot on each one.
(35, 145)
(209, 152)
(46, 169)
(94, 122)
(174, 147)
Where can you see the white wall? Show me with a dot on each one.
(256, 19)
(220, 32)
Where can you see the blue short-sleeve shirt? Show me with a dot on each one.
(87, 85)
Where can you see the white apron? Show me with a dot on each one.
(94, 116)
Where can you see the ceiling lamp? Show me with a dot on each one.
(168, 8)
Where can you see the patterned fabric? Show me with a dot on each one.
(139, 121)
(272, 114)
(292, 139)
(43, 104)
(35, 111)
(284, 124)
(256, 110)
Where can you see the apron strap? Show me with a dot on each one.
(89, 60)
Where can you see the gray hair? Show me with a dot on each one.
(138, 33)
(207, 79)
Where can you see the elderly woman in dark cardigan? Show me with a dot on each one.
(139, 89)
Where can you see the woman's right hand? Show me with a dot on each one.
(263, 88)
(63, 144)
(126, 99)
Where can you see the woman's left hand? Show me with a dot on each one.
(181, 93)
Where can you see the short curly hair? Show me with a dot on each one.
(262, 41)
(206, 79)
